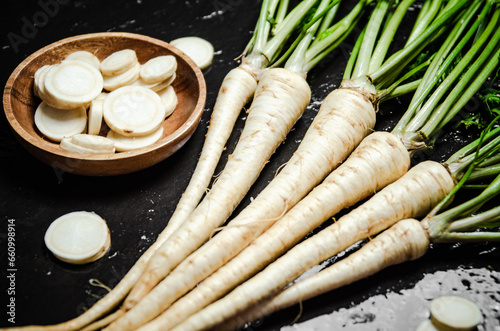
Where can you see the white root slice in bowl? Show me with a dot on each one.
(158, 69)
(133, 111)
(169, 99)
(56, 124)
(198, 49)
(85, 57)
(124, 143)
(95, 115)
(88, 144)
(38, 81)
(156, 86)
(112, 83)
(455, 313)
(78, 237)
(118, 62)
(73, 83)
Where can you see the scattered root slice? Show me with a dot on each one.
(169, 99)
(78, 237)
(123, 143)
(133, 111)
(455, 313)
(427, 326)
(73, 83)
(85, 57)
(158, 69)
(112, 83)
(56, 124)
(199, 50)
(118, 62)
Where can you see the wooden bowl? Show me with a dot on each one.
(20, 103)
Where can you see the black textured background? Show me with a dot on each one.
(137, 206)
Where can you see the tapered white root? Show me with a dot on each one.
(355, 179)
(404, 241)
(280, 99)
(236, 90)
(344, 118)
(412, 195)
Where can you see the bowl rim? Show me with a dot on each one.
(179, 133)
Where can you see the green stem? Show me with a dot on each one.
(490, 161)
(402, 90)
(354, 55)
(332, 35)
(311, 62)
(437, 122)
(262, 28)
(457, 167)
(372, 30)
(296, 62)
(389, 92)
(410, 51)
(451, 224)
(481, 173)
(442, 61)
(468, 237)
(427, 14)
(460, 71)
(484, 219)
(280, 15)
(385, 40)
(471, 147)
(327, 21)
(296, 15)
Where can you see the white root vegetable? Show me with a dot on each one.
(95, 115)
(72, 84)
(455, 313)
(198, 49)
(56, 124)
(279, 101)
(158, 69)
(236, 90)
(118, 62)
(78, 237)
(156, 86)
(93, 142)
(410, 196)
(124, 143)
(111, 83)
(344, 118)
(39, 87)
(355, 179)
(169, 99)
(404, 241)
(38, 80)
(85, 57)
(87, 144)
(133, 111)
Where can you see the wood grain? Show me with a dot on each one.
(20, 103)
